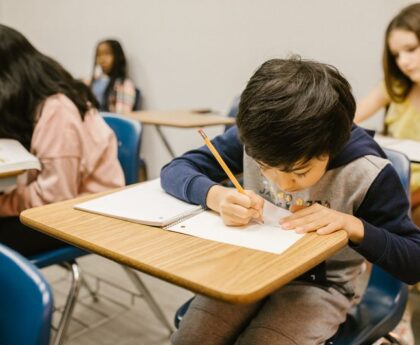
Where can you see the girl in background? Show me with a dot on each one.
(55, 117)
(110, 85)
(401, 92)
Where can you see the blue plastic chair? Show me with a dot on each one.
(384, 300)
(401, 164)
(64, 256)
(137, 100)
(128, 133)
(26, 302)
(128, 136)
(378, 313)
(233, 111)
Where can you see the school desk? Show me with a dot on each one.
(178, 119)
(410, 148)
(222, 271)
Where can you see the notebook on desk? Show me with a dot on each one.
(148, 204)
(14, 157)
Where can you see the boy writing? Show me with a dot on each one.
(296, 145)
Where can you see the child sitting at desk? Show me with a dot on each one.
(296, 144)
(109, 83)
(53, 116)
(401, 92)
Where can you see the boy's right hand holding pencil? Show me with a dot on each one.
(236, 208)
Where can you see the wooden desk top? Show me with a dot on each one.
(180, 118)
(226, 272)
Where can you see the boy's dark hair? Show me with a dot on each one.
(293, 110)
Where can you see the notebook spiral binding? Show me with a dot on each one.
(183, 217)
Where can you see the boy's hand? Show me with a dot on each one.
(324, 221)
(235, 208)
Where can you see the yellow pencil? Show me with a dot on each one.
(225, 168)
(221, 162)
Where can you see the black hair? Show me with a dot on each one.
(118, 69)
(27, 78)
(293, 110)
(398, 85)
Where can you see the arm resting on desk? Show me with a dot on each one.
(391, 240)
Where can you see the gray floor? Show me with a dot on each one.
(119, 317)
(122, 318)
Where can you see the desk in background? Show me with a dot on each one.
(178, 119)
(410, 148)
(218, 270)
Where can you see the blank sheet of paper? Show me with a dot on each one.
(268, 237)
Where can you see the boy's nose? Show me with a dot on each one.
(286, 183)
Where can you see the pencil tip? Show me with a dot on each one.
(201, 131)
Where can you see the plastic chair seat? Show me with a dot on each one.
(378, 313)
(56, 256)
(63, 256)
(26, 301)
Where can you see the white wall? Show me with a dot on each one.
(189, 53)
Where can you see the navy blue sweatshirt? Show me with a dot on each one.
(391, 240)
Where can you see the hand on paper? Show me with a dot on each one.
(324, 221)
(236, 209)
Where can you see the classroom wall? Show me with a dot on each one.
(189, 53)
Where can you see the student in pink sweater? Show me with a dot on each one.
(55, 117)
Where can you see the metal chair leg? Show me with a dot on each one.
(91, 291)
(70, 303)
(148, 298)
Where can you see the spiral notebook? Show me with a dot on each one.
(148, 204)
(14, 157)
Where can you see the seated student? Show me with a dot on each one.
(296, 143)
(109, 83)
(401, 92)
(53, 116)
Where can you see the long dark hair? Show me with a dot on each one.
(118, 69)
(27, 78)
(398, 85)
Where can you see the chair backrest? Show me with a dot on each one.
(137, 100)
(128, 133)
(233, 111)
(401, 164)
(26, 303)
